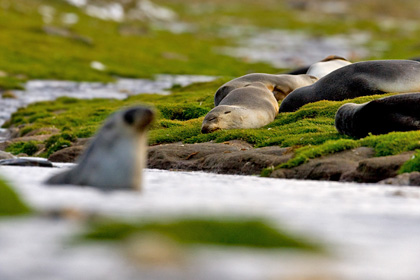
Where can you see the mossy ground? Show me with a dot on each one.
(243, 232)
(10, 203)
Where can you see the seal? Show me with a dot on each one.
(116, 156)
(327, 65)
(281, 85)
(394, 113)
(358, 79)
(251, 106)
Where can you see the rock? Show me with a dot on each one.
(5, 155)
(329, 167)
(26, 162)
(69, 154)
(232, 157)
(405, 179)
(376, 169)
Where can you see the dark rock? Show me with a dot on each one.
(26, 162)
(232, 157)
(376, 169)
(69, 154)
(330, 167)
(405, 179)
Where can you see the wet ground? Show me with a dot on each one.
(371, 231)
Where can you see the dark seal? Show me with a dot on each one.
(358, 79)
(394, 113)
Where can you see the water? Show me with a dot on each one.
(372, 231)
(289, 49)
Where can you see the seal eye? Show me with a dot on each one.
(212, 119)
(228, 112)
(129, 116)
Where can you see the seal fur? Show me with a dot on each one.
(251, 106)
(327, 65)
(281, 85)
(358, 79)
(116, 156)
(394, 113)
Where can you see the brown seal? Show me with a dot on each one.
(251, 106)
(281, 85)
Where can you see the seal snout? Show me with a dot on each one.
(208, 129)
(139, 116)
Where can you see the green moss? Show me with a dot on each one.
(226, 232)
(28, 148)
(411, 165)
(10, 203)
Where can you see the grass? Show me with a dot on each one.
(90, 39)
(10, 203)
(243, 232)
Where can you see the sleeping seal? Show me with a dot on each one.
(116, 156)
(394, 113)
(358, 79)
(251, 106)
(281, 85)
(327, 65)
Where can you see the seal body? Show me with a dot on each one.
(252, 106)
(358, 79)
(116, 156)
(280, 85)
(327, 65)
(394, 113)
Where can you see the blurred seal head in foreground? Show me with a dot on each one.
(116, 156)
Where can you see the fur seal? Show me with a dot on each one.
(251, 106)
(116, 156)
(393, 113)
(327, 65)
(281, 85)
(358, 79)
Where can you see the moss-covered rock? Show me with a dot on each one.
(226, 232)
(10, 203)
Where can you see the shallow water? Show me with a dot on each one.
(290, 49)
(372, 231)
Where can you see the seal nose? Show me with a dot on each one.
(138, 116)
(205, 129)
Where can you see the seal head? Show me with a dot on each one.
(116, 156)
(251, 106)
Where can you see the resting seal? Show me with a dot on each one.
(252, 106)
(394, 113)
(358, 79)
(327, 65)
(116, 156)
(281, 85)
